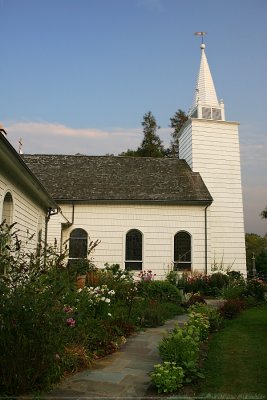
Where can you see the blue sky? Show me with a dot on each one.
(78, 75)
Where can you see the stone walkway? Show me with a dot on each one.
(121, 375)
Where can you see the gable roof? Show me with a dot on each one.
(16, 171)
(108, 178)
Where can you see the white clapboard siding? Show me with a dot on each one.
(29, 217)
(158, 224)
(215, 155)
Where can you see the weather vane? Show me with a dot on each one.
(200, 34)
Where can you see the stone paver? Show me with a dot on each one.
(124, 374)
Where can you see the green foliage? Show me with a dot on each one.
(264, 213)
(214, 317)
(177, 121)
(235, 289)
(49, 327)
(180, 346)
(151, 145)
(257, 289)
(167, 377)
(218, 280)
(256, 246)
(177, 279)
(33, 332)
(159, 290)
(200, 322)
(261, 263)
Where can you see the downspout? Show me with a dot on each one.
(67, 225)
(206, 240)
(50, 212)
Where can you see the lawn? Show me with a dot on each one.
(237, 357)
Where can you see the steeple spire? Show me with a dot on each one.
(205, 104)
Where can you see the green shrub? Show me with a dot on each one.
(218, 280)
(214, 316)
(49, 327)
(151, 313)
(236, 289)
(256, 288)
(196, 283)
(33, 332)
(159, 290)
(200, 322)
(179, 347)
(167, 377)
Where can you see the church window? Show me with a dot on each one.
(133, 250)
(7, 213)
(78, 244)
(182, 251)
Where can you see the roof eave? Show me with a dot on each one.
(11, 161)
(136, 201)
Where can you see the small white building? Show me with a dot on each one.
(148, 213)
(23, 199)
(154, 213)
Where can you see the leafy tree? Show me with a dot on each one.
(264, 213)
(256, 246)
(151, 145)
(177, 121)
(130, 153)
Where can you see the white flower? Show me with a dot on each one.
(109, 314)
(107, 300)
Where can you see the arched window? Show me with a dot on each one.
(182, 251)
(78, 244)
(133, 250)
(7, 213)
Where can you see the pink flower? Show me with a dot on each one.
(71, 322)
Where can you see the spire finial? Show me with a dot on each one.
(202, 34)
(20, 146)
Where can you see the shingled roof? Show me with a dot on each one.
(109, 178)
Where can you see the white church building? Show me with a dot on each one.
(155, 213)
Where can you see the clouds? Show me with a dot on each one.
(45, 137)
(252, 150)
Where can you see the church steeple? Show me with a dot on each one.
(205, 104)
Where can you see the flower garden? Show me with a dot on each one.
(53, 324)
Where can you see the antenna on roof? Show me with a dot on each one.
(20, 146)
